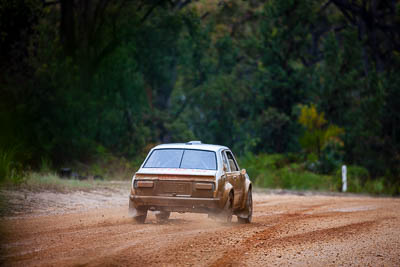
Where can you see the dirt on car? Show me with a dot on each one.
(93, 228)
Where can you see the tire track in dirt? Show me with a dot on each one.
(204, 248)
(266, 239)
(92, 232)
(283, 226)
(194, 250)
(148, 250)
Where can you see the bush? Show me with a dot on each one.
(10, 169)
(331, 158)
(51, 181)
(357, 177)
(288, 172)
(45, 165)
(35, 181)
(376, 186)
(5, 164)
(260, 165)
(294, 177)
(281, 171)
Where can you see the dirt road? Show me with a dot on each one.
(94, 229)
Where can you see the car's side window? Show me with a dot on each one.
(224, 160)
(232, 162)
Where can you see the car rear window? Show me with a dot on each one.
(182, 158)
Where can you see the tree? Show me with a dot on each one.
(378, 28)
(318, 133)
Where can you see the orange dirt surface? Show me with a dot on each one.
(94, 229)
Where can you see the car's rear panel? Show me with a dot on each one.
(176, 190)
(174, 185)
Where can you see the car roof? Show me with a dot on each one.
(192, 146)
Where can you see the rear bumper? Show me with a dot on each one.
(180, 204)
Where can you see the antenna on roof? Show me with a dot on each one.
(194, 143)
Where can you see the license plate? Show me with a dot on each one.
(175, 187)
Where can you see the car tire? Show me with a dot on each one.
(140, 218)
(229, 208)
(249, 207)
(138, 215)
(163, 216)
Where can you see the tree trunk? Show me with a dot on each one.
(67, 27)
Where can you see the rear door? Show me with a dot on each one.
(234, 177)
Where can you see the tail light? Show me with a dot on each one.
(144, 184)
(204, 186)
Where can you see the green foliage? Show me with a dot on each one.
(272, 126)
(45, 165)
(48, 181)
(10, 167)
(293, 177)
(288, 172)
(112, 79)
(356, 178)
(257, 164)
(318, 134)
(377, 186)
(280, 171)
(360, 181)
(6, 162)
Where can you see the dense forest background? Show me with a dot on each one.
(315, 81)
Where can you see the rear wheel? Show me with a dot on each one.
(140, 218)
(139, 215)
(249, 207)
(229, 208)
(163, 215)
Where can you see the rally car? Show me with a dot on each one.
(191, 177)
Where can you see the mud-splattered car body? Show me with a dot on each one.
(191, 177)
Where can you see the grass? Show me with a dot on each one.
(35, 181)
(107, 168)
(8, 165)
(274, 171)
(277, 171)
